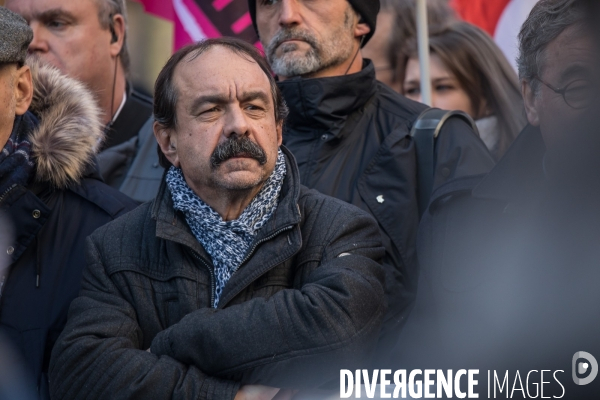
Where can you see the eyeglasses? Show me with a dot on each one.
(578, 94)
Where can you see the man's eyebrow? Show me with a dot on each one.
(53, 13)
(220, 99)
(255, 95)
(210, 99)
(575, 71)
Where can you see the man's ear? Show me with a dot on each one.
(117, 32)
(529, 99)
(362, 29)
(167, 142)
(23, 90)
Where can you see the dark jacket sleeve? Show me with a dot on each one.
(296, 338)
(98, 355)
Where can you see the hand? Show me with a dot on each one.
(258, 392)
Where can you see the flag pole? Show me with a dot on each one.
(424, 58)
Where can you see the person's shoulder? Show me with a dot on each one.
(326, 220)
(126, 238)
(395, 104)
(103, 197)
(325, 209)
(130, 224)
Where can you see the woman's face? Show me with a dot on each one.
(447, 92)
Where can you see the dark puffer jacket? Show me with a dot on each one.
(308, 301)
(51, 218)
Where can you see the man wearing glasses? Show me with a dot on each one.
(510, 261)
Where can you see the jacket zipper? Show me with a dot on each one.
(212, 278)
(253, 249)
(6, 192)
(287, 228)
(250, 253)
(2, 197)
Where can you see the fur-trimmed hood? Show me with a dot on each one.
(71, 129)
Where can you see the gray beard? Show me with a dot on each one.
(290, 64)
(333, 51)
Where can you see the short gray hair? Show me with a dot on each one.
(107, 9)
(547, 20)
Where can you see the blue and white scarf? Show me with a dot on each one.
(227, 242)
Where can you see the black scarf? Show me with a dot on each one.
(16, 166)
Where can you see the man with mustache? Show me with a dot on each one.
(236, 275)
(350, 134)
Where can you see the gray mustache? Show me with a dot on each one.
(237, 146)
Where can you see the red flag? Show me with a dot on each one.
(483, 13)
(502, 19)
(196, 20)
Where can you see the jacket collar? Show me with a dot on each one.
(324, 104)
(171, 225)
(520, 173)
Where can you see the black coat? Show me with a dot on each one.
(50, 220)
(308, 301)
(48, 260)
(350, 137)
(509, 273)
(122, 138)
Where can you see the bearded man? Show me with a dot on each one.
(350, 133)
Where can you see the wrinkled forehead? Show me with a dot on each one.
(571, 55)
(220, 70)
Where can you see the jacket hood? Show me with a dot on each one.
(70, 131)
(326, 103)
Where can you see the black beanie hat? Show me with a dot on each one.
(368, 10)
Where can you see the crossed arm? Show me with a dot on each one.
(277, 342)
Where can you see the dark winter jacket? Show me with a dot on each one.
(144, 176)
(124, 140)
(351, 138)
(510, 276)
(308, 300)
(51, 218)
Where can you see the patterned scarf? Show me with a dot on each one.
(227, 242)
(16, 166)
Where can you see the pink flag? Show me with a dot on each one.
(195, 20)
